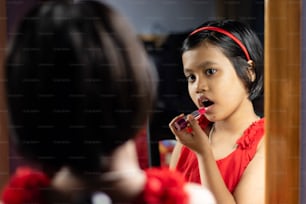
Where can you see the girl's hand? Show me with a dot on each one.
(192, 136)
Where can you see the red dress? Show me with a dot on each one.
(233, 165)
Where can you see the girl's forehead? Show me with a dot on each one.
(204, 48)
(206, 52)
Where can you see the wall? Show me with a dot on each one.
(165, 16)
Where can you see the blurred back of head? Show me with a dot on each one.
(79, 84)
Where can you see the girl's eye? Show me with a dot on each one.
(190, 78)
(210, 71)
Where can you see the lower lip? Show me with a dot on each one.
(208, 108)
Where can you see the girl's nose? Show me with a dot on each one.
(201, 85)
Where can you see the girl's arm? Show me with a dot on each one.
(198, 194)
(209, 171)
(211, 178)
(175, 155)
(251, 186)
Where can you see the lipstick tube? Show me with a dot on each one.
(181, 123)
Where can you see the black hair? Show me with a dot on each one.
(79, 84)
(232, 50)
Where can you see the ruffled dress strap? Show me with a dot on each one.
(251, 135)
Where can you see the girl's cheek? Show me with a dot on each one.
(193, 96)
(191, 93)
(192, 90)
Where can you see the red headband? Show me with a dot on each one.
(220, 30)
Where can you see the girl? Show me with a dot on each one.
(80, 88)
(224, 148)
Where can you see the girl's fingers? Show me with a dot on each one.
(171, 124)
(182, 135)
(193, 123)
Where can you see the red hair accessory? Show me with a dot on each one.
(163, 186)
(26, 186)
(225, 32)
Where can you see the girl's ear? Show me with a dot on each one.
(251, 70)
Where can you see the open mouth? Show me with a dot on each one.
(207, 103)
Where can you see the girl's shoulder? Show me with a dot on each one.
(252, 135)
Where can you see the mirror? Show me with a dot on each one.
(282, 32)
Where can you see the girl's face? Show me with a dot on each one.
(213, 82)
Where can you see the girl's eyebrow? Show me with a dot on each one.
(200, 66)
(206, 64)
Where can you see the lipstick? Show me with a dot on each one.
(181, 123)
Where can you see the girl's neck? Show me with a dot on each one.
(122, 179)
(240, 120)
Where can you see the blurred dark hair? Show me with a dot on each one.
(232, 50)
(79, 84)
